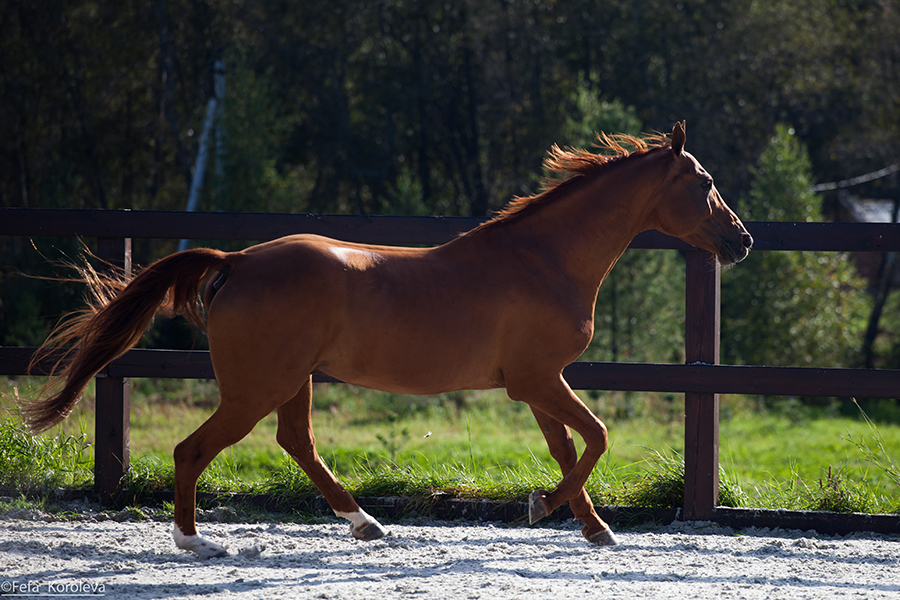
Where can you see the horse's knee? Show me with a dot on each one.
(601, 438)
(596, 439)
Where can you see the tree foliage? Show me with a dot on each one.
(790, 308)
(103, 103)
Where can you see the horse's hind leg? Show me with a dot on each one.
(295, 435)
(562, 449)
(227, 426)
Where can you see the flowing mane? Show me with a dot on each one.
(577, 164)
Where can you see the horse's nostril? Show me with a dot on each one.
(746, 240)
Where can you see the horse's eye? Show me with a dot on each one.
(707, 184)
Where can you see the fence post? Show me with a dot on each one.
(113, 397)
(701, 410)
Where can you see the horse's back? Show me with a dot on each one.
(405, 319)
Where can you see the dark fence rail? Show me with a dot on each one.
(702, 379)
(838, 237)
(632, 377)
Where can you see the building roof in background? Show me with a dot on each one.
(869, 210)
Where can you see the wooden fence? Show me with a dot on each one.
(701, 379)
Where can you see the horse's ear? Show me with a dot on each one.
(678, 138)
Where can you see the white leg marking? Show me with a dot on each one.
(604, 538)
(362, 526)
(200, 546)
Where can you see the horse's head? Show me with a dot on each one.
(689, 207)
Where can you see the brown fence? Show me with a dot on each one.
(701, 379)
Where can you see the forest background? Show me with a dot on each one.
(436, 107)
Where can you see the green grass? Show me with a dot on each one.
(781, 462)
(479, 444)
(38, 465)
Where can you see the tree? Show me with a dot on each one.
(790, 308)
(256, 122)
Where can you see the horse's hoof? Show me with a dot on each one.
(368, 531)
(537, 507)
(207, 549)
(603, 538)
(199, 545)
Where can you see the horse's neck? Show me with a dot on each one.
(592, 226)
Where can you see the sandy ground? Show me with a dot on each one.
(91, 555)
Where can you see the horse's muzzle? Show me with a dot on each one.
(732, 252)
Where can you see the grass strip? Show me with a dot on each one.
(41, 466)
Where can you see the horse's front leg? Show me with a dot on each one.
(295, 435)
(562, 449)
(555, 399)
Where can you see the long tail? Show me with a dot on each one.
(115, 321)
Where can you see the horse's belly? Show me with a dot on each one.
(415, 385)
(395, 365)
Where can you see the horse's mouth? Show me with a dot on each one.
(731, 252)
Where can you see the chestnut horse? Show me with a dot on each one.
(506, 305)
